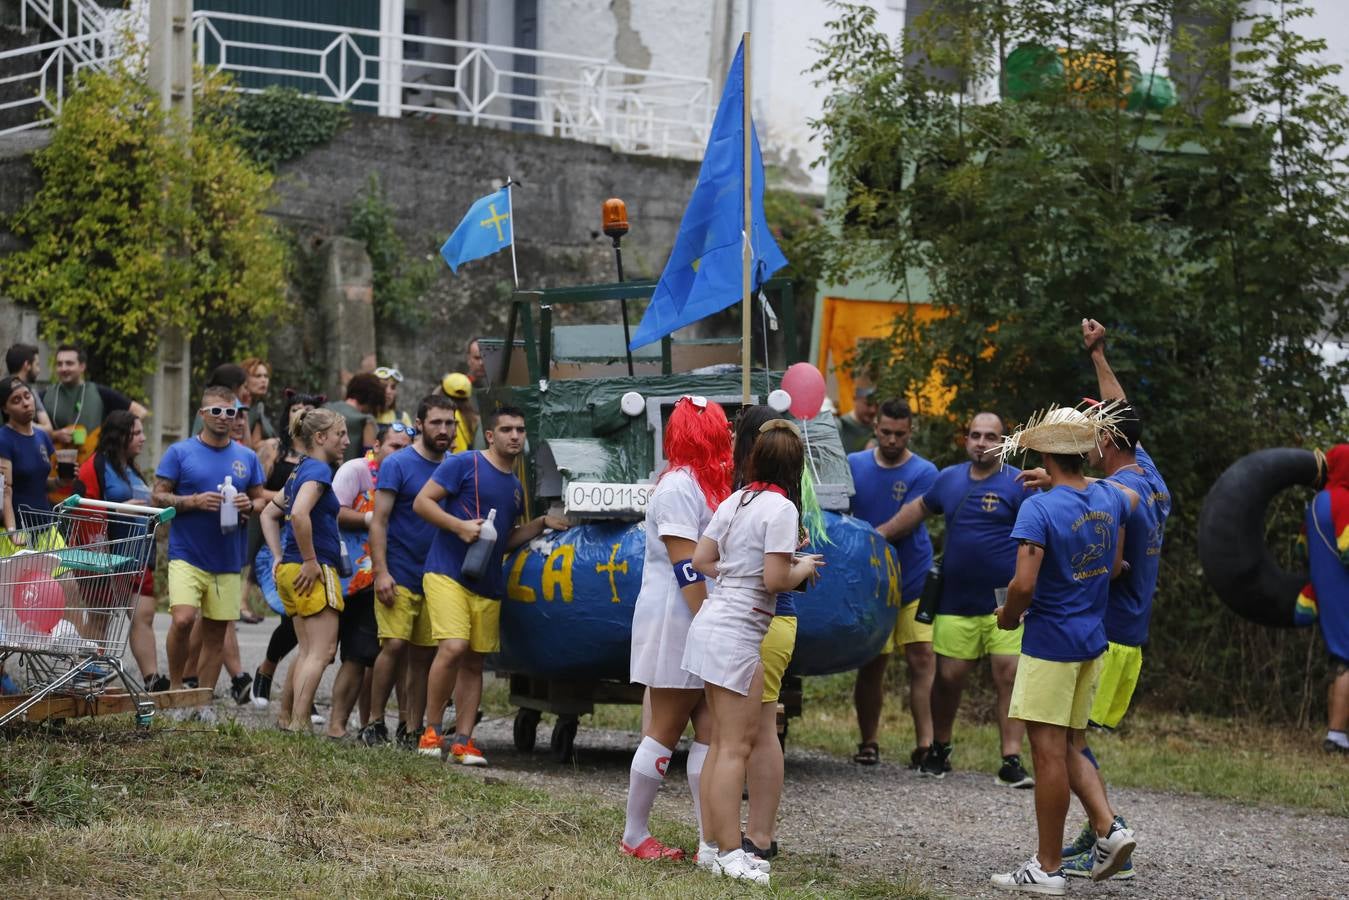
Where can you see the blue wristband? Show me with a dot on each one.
(685, 574)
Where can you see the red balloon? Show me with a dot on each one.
(806, 386)
(39, 600)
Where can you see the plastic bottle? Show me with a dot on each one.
(480, 551)
(229, 515)
(343, 562)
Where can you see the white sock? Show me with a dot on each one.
(697, 753)
(1339, 738)
(644, 778)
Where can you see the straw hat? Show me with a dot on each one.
(1064, 429)
(457, 385)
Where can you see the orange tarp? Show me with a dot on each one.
(845, 324)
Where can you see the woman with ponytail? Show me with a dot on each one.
(749, 547)
(696, 478)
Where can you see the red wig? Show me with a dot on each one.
(698, 438)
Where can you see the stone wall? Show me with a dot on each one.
(431, 171)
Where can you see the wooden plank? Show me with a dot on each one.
(68, 707)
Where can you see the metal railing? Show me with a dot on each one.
(582, 98)
(83, 23)
(40, 85)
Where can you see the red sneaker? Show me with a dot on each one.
(651, 849)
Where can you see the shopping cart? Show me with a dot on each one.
(69, 578)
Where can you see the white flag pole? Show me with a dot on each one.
(746, 314)
(510, 212)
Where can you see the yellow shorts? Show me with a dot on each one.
(908, 630)
(325, 593)
(1055, 693)
(1119, 677)
(973, 637)
(216, 594)
(776, 653)
(406, 620)
(458, 614)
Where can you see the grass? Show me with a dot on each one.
(97, 809)
(1243, 761)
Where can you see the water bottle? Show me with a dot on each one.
(480, 551)
(229, 515)
(344, 562)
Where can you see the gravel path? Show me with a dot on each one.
(952, 834)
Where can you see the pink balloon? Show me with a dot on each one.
(38, 600)
(806, 385)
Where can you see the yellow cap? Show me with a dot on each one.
(457, 385)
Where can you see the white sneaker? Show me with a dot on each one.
(759, 863)
(316, 719)
(1031, 879)
(1112, 852)
(706, 858)
(261, 702)
(736, 865)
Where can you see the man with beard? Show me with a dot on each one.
(399, 543)
(464, 491)
(980, 500)
(885, 477)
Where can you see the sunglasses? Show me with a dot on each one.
(400, 428)
(388, 372)
(229, 412)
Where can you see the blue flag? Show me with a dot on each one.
(703, 275)
(486, 229)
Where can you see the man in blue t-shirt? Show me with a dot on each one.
(883, 479)
(400, 541)
(466, 490)
(980, 500)
(1070, 544)
(204, 562)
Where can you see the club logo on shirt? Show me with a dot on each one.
(240, 470)
(1103, 527)
(898, 491)
(989, 503)
(42, 448)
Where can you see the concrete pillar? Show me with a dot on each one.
(346, 309)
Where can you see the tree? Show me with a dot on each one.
(1211, 235)
(134, 231)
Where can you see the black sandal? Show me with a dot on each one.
(868, 754)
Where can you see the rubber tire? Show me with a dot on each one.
(563, 741)
(526, 729)
(1232, 550)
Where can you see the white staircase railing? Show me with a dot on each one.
(83, 24)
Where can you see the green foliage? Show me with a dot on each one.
(400, 280)
(1210, 239)
(280, 123)
(135, 231)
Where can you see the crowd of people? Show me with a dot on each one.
(384, 532)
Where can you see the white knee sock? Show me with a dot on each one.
(644, 778)
(697, 753)
(1335, 737)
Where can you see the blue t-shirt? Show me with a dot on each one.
(195, 467)
(322, 517)
(470, 495)
(880, 494)
(409, 535)
(30, 461)
(980, 554)
(1078, 531)
(131, 489)
(1329, 577)
(786, 606)
(1130, 608)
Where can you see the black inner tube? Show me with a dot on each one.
(1237, 564)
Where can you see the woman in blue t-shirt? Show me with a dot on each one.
(111, 474)
(25, 453)
(309, 553)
